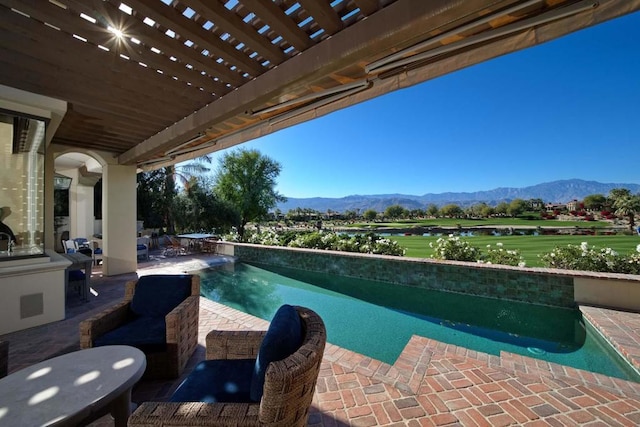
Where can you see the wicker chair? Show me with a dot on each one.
(287, 393)
(4, 358)
(167, 358)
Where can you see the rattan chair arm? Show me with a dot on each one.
(160, 414)
(234, 344)
(103, 322)
(178, 318)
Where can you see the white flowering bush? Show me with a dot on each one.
(454, 248)
(590, 258)
(263, 237)
(233, 236)
(500, 255)
(364, 243)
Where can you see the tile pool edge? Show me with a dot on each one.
(500, 282)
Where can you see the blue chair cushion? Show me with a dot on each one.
(98, 251)
(145, 333)
(75, 275)
(282, 339)
(214, 381)
(81, 241)
(157, 295)
(141, 247)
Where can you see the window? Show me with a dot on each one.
(21, 185)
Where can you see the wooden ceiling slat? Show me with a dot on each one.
(82, 123)
(152, 37)
(123, 76)
(228, 21)
(279, 22)
(77, 95)
(189, 29)
(96, 136)
(323, 14)
(70, 23)
(78, 92)
(113, 118)
(367, 7)
(95, 144)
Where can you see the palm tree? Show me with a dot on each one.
(627, 205)
(180, 174)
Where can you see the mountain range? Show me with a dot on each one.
(561, 191)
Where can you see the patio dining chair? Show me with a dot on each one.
(142, 248)
(70, 246)
(173, 247)
(158, 315)
(250, 378)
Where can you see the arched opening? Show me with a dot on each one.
(77, 188)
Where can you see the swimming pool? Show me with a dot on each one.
(377, 319)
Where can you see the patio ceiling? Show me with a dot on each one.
(159, 81)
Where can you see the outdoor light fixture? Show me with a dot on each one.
(116, 32)
(61, 182)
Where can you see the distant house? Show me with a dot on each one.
(573, 205)
(555, 206)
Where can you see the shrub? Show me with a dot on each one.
(364, 243)
(590, 258)
(453, 248)
(499, 255)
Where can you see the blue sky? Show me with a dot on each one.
(566, 109)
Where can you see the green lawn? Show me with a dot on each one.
(486, 222)
(529, 246)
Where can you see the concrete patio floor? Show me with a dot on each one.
(431, 383)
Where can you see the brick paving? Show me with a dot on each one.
(431, 383)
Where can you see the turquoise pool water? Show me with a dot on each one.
(377, 319)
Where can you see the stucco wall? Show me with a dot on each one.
(608, 292)
(32, 294)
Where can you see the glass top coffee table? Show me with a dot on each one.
(73, 388)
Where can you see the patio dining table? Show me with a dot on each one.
(196, 240)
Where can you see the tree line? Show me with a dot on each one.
(619, 201)
(186, 198)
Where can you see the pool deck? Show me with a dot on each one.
(431, 383)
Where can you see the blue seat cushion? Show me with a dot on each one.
(156, 295)
(98, 251)
(145, 333)
(214, 381)
(75, 275)
(282, 339)
(141, 247)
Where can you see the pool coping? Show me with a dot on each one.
(410, 368)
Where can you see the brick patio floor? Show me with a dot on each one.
(431, 383)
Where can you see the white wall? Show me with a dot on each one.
(606, 292)
(119, 219)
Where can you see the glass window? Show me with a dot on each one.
(21, 185)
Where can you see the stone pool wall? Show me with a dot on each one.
(519, 284)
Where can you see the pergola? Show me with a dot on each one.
(149, 83)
